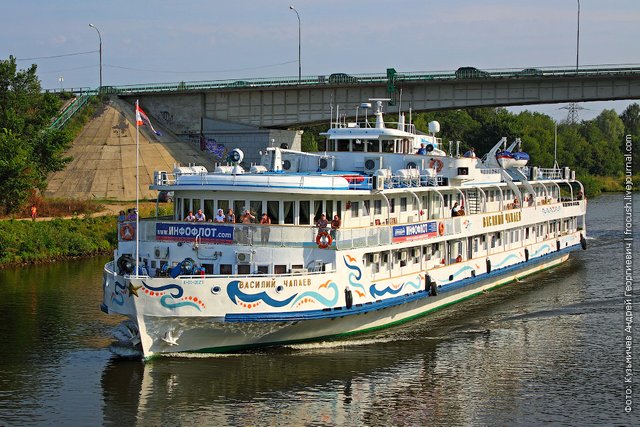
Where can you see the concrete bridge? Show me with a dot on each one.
(287, 102)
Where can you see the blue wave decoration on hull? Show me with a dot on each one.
(540, 249)
(505, 260)
(389, 290)
(321, 298)
(120, 297)
(357, 276)
(233, 291)
(167, 300)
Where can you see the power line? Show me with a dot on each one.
(68, 69)
(56, 56)
(199, 72)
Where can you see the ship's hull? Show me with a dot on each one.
(159, 332)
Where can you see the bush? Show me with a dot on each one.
(27, 241)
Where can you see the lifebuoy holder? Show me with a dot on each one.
(127, 232)
(436, 164)
(323, 239)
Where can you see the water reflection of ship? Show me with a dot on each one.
(250, 383)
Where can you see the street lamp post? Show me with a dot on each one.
(578, 38)
(100, 39)
(299, 61)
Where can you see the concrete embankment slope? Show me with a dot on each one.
(104, 157)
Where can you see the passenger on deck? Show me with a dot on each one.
(231, 217)
(455, 211)
(264, 235)
(422, 150)
(247, 218)
(190, 217)
(131, 214)
(219, 217)
(200, 217)
(122, 216)
(335, 225)
(516, 203)
(322, 222)
(471, 153)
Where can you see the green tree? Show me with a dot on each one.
(30, 150)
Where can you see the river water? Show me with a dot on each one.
(547, 349)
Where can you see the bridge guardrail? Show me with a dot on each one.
(364, 79)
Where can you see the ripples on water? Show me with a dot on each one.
(546, 349)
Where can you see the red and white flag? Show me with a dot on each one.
(142, 119)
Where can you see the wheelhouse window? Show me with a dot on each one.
(377, 207)
(403, 204)
(387, 146)
(342, 145)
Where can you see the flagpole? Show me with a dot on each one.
(137, 196)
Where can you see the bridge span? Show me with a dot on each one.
(288, 102)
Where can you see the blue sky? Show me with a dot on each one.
(166, 41)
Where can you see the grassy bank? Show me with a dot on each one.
(43, 241)
(595, 185)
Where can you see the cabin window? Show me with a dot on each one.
(244, 269)
(225, 269)
(238, 209)
(273, 210)
(377, 207)
(208, 209)
(208, 268)
(196, 205)
(317, 206)
(392, 205)
(358, 145)
(366, 207)
(526, 233)
(403, 204)
(256, 208)
(224, 205)
(263, 269)
(387, 146)
(288, 212)
(355, 209)
(305, 212)
(279, 269)
(328, 209)
(186, 207)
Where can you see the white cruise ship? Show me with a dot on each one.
(417, 228)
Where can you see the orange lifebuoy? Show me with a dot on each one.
(127, 232)
(441, 228)
(323, 239)
(437, 164)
